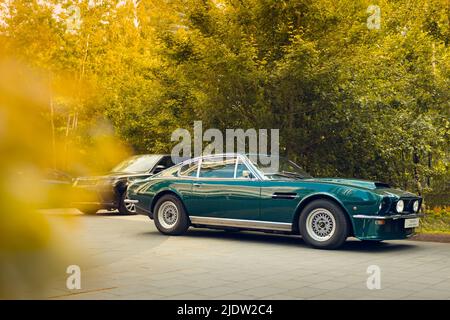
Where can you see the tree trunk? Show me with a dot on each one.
(52, 124)
(416, 161)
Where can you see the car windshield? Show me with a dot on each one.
(137, 164)
(287, 169)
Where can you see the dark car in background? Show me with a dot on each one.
(108, 191)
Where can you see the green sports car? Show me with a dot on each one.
(232, 192)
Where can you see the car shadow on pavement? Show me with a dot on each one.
(356, 245)
(109, 213)
(247, 236)
(352, 244)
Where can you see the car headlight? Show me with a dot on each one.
(400, 206)
(416, 206)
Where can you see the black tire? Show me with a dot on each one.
(88, 210)
(323, 225)
(123, 210)
(166, 223)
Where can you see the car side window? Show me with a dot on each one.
(219, 168)
(189, 169)
(241, 168)
(171, 172)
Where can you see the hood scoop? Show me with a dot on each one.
(381, 185)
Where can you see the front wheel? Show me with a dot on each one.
(124, 207)
(323, 225)
(170, 216)
(88, 210)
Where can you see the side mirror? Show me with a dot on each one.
(159, 168)
(247, 174)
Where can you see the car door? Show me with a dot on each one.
(222, 191)
(279, 200)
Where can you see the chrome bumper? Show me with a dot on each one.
(131, 201)
(393, 217)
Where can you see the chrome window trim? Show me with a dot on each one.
(258, 175)
(236, 166)
(241, 223)
(200, 161)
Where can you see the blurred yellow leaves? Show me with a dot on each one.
(23, 149)
(32, 248)
(22, 101)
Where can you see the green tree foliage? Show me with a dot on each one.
(349, 100)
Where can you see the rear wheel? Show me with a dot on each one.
(170, 216)
(323, 225)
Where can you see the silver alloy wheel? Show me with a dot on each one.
(168, 214)
(320, 224)
(131, 207)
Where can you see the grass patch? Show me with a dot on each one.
(436, 221)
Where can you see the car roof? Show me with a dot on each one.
(212, 155)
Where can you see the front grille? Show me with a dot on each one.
(408, 205)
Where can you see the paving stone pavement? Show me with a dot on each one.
(127, 258)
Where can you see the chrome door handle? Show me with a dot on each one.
(197, 184)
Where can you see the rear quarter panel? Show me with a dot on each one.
(145, 192)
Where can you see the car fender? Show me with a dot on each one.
(320, 195)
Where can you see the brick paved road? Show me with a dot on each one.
(130, 259)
